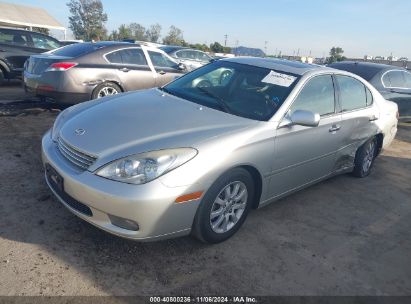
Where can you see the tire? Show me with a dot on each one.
(1, 77)
(364, 158)
(105, 89)
(228, 213)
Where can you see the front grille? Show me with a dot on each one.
(74, 156)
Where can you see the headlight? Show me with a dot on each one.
(142, 168)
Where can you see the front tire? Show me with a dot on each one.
(105, 89)
(224, 207)
(364, 158)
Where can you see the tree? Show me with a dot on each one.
(174, 36)
(216, 47)
(138, 32)
(87, 20)
(336, 54)
(124, 32)
(153, 33)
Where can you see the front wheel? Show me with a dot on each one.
(364, 158)
(224, 207)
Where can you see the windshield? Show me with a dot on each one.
(239, 89)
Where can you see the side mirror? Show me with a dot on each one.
(212, 60)
(302, 118)
(182, 66)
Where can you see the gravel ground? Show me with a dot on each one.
(344, 236)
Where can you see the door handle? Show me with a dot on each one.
(124, 70)
(162, 73)
(334, 128)
(373, 118)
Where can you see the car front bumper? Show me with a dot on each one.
(152, 206)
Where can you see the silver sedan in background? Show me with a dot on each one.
(185, 158)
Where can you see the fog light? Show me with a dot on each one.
(123, 223)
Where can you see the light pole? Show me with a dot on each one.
(265, 47)
(225, 39)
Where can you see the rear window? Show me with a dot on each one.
(78, 49)
(366, 72)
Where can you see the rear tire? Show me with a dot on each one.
(105, 89)
(364, 158)
(224, 207)
(2, 76)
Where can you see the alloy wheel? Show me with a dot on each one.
(106, 91)
(228, 207)
(369, 156)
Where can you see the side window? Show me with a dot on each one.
(394, 79)
(114, 57)
(317, 96)
(161, 61)
(14, 38)
(181, 54)
(352, 93)
(133, 56)
(407, 77)
(369, 96)
(203, 57)
(44, 42)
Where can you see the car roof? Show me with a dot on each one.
(172, 48)
(366, 70)
(288, 66)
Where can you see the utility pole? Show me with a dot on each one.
(225, 39)
(265, 47)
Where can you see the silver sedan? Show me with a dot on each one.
(189, 158)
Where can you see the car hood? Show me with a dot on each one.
(145, 121)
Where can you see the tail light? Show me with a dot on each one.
(61, 66)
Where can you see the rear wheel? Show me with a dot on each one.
(105, 89)
(1, 76)
(224, 207)
(364, 158)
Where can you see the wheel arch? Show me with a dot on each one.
(258, 183)
(380, 141)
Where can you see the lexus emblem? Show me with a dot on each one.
(79, 131)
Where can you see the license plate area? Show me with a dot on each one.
(54, 178)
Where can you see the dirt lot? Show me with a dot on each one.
(344, 236)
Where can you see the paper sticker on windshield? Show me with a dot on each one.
(279, 79)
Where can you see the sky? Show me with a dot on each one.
(372, 27)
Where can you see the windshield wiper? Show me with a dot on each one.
(223, 105)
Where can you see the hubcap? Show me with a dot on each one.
(228, 207)
(106, 91)
(369, 157)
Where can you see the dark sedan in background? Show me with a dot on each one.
(85, 71)
(16, 46)
(394, 83)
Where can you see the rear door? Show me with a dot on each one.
(132, 68)
(306, 154)
(166, 69)
(359, 114)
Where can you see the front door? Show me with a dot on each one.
(166, 69)
(306, 154)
